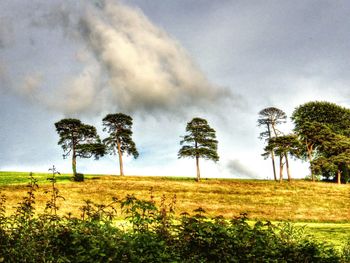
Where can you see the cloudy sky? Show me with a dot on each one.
(164, 62)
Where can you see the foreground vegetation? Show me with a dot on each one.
(147, 233)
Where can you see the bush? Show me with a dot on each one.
(78, 177)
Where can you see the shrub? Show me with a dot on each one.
(78, 177)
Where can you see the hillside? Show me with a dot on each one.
(296, 201)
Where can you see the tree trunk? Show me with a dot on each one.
(287, 166)
(339, 176)
(197, 162)
(274, 129)
(309, 156)
(272, 156)
(198, 172)
(273, 166)
(74, 164)
(74, 159)
(281, 168)
(120, 154)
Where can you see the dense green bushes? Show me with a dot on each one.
(148, 234)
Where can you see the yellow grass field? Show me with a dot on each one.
(296, 201)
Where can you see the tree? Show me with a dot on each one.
(200, 142)
(336, 117)
(270, 117)
(119, 140)
(283, 146)
(334, 156)
(316, 123)
(80, 140)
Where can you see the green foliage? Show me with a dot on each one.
(79, 139)
(25, 209)
(119, 128)
(346, 251)
(271, 117)
(324, 130)
(334, 116)
(200, 141)
(51, 205)
(150, 235)
(88, 150)
(282, 145)
(140, 213)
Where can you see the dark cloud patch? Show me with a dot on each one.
(237, 169)
(6, 33)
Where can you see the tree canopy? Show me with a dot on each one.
(324, 131)
(283, 146)
(271, 117)
(199, 142)
(336, 117)
(79, 139)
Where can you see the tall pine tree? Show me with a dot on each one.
(271, 117)
(79, 140)
(199, 142)
(119, 141)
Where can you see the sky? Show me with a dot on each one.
(165, 62)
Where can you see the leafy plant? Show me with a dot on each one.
(140, 213)
(25, 209)
(51, 205)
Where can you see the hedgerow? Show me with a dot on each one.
(148, 233)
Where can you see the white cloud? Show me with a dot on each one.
(146, 68)
(120, 60)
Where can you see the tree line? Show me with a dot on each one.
(81, 140)
(321, 136)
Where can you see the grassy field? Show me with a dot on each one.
(324, 207)
(334, 233)
(17, 178)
